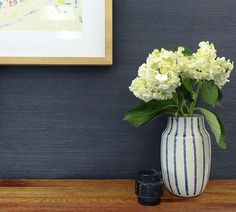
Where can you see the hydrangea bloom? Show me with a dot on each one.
(160, 76)
(205, 65)
(166, 61)
(222, 72)
(156, 80)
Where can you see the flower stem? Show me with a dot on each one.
(186, 106)
(182, 112)
(195, 98)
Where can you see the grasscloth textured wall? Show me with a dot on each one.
(65, 122)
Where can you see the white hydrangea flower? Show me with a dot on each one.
(222, 72)
(165, 61)
(141, 90)
(204, 65)
(151, 84)
(201, 64)
(159, 77)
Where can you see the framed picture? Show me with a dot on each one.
(56, 32)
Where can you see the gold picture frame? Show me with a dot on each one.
(107, 60)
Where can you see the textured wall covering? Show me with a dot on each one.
(65, 122)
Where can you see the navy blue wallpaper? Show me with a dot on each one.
(66, 122)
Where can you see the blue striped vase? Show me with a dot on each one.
(185, 156)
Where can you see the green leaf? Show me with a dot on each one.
(187, 95)
(187, 52)
(210, 93)
(186, 82)
(180, 102)
(149, 110)
(216, 126)
(220, 96)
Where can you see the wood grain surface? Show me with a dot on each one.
(105, 195)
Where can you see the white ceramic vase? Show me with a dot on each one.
(185, 156)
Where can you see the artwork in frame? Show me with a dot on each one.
(56, 32)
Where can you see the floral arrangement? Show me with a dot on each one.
(171, 82)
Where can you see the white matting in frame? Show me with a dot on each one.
(87, 41)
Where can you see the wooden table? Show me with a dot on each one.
(105, 195)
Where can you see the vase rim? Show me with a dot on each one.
(188, 117)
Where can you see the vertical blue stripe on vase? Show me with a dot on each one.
(195, 158)
(204, 159)
(175, 170)
(162, 153)
(209, 156)
(185, 158)
(167, 141)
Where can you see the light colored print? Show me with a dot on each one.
(41, 15)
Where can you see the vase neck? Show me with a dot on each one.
(181, 121)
